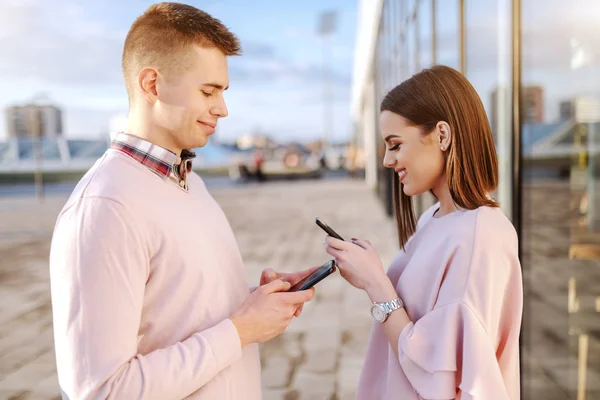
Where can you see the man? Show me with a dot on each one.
(149, 294)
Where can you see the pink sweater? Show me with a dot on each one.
(144, 278)
(460, 280)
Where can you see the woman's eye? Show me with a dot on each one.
(206, 93)
(395, 147)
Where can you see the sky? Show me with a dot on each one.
(69, 52)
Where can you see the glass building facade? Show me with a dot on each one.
(536, 67)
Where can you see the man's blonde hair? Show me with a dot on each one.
(162, 36)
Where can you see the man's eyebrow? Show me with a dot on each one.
(216, 86)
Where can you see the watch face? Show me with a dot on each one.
(377, 313)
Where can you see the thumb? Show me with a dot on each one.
(276, 286)
(270, 274)
(267, 276)
(365, 244)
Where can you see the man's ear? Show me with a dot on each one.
(147, 84)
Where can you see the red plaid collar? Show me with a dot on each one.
(159, 160)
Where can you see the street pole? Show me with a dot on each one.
(325, 30)
(327, 106)
(37, 137)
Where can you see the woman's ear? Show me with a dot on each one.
(444, 134)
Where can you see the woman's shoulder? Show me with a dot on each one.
(493, 228)
(484, 229)
(480, 221)
(483, 256)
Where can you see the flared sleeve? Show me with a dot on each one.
(449, 350)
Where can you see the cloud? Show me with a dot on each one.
(82, 52)
(276, 70)
(260, 63)
(58, 45)
(84, 122)
(256, 50)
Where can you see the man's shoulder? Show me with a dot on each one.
(112, 178)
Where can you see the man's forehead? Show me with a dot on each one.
(211, 64)
(209, 53)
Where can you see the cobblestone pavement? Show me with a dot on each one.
(318, 357)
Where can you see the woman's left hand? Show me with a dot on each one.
(357, 260)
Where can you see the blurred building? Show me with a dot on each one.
(580, 109)
(250, 141)
(34, 120)
(70, 155)
(548, 151)
(533, 104)
(57, 154)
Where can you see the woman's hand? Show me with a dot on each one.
(358, 262)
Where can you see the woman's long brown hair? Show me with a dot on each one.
(437, 94)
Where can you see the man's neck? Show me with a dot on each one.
(142, 126)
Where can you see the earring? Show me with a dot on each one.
(442, 148)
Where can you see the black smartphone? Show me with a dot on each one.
(327, 229)
(323, 272)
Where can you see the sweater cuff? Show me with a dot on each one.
(225, 343)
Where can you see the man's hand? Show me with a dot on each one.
(269, 275)
(268, 311)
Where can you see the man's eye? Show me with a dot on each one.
(206, 93)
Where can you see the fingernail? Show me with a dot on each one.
(354, 238)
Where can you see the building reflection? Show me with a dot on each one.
(543, 103)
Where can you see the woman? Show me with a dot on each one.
(448, 312)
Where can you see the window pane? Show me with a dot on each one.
(447, 33)
(489, 70)
(561, 203)
(424, 22)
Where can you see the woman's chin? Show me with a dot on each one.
(411, 191)
(408, 190)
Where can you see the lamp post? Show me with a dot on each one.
(326, 28)
(37, 139)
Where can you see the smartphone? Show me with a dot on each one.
(327, 229)
(323, 272)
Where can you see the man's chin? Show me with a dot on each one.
(199, 142)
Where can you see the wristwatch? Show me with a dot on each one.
(381, 311)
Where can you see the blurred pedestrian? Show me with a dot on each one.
(258, 158)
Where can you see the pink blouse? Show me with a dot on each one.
(460, 280)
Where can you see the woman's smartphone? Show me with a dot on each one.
(323, 272)
(327, 229)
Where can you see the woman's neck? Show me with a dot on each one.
(447, 205)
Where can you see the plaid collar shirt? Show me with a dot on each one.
(161, 161)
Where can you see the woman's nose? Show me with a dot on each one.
(388, 160)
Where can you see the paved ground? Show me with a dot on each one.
(320, 355)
